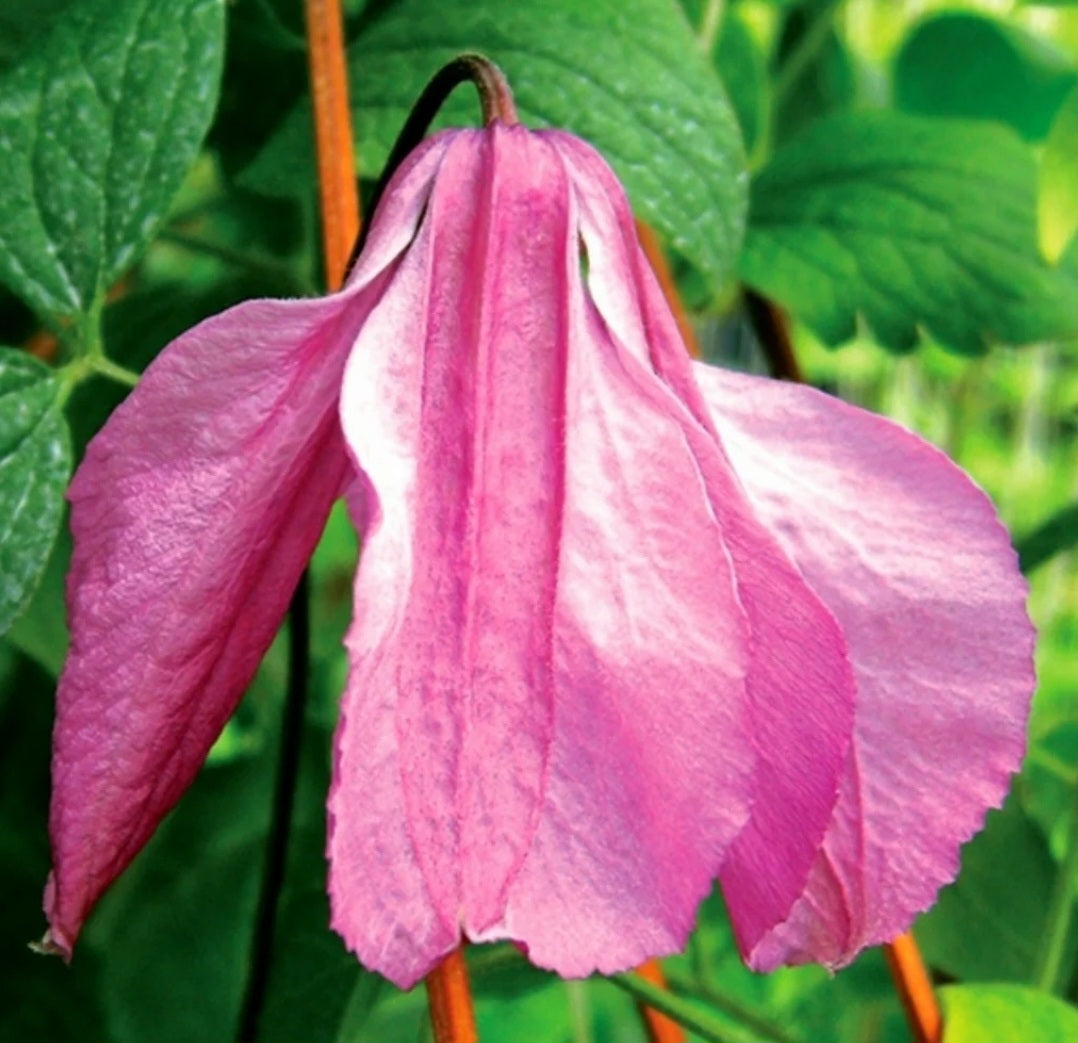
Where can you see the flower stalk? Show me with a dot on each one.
(661, 1027)
(914, 989)
(452, 1014)
(339, 209)
(338, 199)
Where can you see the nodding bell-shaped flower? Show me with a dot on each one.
(624, 623)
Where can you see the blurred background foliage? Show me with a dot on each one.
(902, 178)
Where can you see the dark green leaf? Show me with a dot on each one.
(1056, 535)
(40, 998)
(1057, 209)
(35, 461)
(21, 24)
(911, 223)
(983, 927)
(172, 935)
(814, 72)
(629, 80)
(313, 975)
(970, 66)
(1005, 1014)
(40, 632)
(741, 67)
(99, 123)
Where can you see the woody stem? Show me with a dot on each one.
(772, 330)
(339, 206)
(914, 989)
(661, 1027)
(337, 196)
(284, 789)
(495, 98)
(452, 1014)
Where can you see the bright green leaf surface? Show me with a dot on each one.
(99, 122)
(35, 461)
(1005, 1014)
(970, 66)
(913, 224)
(984, 927)
(631, 80)
(1057, 209)
(21, 23)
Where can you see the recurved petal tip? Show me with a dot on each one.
(50, 946)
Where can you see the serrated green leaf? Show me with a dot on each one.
(35, 461)
(1005, 1014)
(631, 80)
(972, 66)
(99, 122)
(1057, 203)
(983, 928)
(913, 224)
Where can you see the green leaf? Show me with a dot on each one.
(172, 934)
(740, 65)
(631, 81)
(1057, 209)
(814, 71)
(40, 632)
(99, 122)
(35, 461)
(913, 224)
(983, 928)
(970, 66)
(40, 999)
(1005, 1014)
(20, 24)
(1056, 535)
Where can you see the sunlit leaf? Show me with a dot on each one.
(1005, 1014)
(913, 224)
(968, 65)
(1057, 209)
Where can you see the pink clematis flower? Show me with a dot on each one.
(624, 623)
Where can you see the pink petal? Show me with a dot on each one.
(909, 555)
(800, 682)
(514, 759)
(193, 514)
(545, 728)
(650, 771)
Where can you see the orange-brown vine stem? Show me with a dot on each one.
(338, 198)
(914, 988)
(661, 1028)
(452, 1014)
(661, 267)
